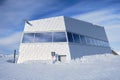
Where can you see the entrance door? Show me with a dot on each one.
(62, 58)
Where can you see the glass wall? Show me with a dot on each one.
(59, 37)
(28, 38)
(85, 40)
(88, 40)
(76, 38)
(44, 37)
(70, 38)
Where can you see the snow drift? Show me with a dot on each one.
(96, 67)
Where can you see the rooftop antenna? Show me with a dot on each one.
(26, 21)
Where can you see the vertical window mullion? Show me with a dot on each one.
(52, 36)
(72, 37)
(66, 36)
(34, 38)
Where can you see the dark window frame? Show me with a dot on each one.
(70, 37)
(76, 38)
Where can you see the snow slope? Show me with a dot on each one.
(96, 67)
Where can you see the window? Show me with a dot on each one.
(43, 37)
(70, 39)
(59, 37)
(91, 41)
(87, 40)
(83, 39)
(107, 44)
(98, 43)
(28, 38)
(76, 38)
(94, 42)
(102, 44)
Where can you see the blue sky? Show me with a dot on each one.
(12, 13)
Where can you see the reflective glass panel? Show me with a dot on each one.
(98, 43)
(87, 40)
(83, 39)
(76, 38)
(28, 38)
(43, 37)
(59, 37)
(70, 39)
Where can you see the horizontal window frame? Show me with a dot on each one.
(93, 41)
(52, 41)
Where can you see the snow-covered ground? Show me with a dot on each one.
(96, 67)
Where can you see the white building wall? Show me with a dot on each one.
(42, 51)
(49, 24)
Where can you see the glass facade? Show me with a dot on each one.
(85, 40)
(70, 39)
(76, 38)
(44, 37)
(59, 37)
(28, 38)
(88, 41)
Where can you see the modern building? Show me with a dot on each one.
(65, 37)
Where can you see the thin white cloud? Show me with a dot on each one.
(98, 17)
(12, 14)
(9, 43)
(12, 39)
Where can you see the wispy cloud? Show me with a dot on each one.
(9, 43)
(12, 14)
(8, 40)
(99, 16)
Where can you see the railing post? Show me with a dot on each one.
(14, 56)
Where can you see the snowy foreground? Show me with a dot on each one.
(96, 67)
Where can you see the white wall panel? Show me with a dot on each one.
(49, 24)
(42, 51)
